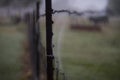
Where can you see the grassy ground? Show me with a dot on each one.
(85, 55)
(10, 52)
(90, 55)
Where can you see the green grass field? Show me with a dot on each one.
(91, 55)
(85, 55)
(88, 56)
(10, 52)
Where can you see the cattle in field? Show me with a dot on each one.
(99, 19)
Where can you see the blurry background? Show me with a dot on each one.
(87, 46)
(13, 38)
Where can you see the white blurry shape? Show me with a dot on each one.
(83, 5)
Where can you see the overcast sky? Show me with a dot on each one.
(78, 5)
(88, 4)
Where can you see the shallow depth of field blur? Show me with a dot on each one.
(89, 55)
(10, 52)
(82, 54)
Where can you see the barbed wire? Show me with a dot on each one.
(69, 12)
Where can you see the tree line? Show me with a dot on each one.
(4, 3)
